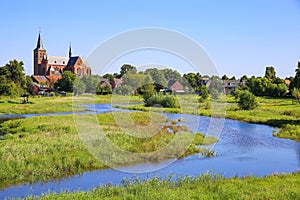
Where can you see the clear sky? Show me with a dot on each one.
(240, 36)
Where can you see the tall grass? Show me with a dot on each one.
(205, 186)
(46, 148)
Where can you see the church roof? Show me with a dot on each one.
(58, 60)
(39, 45)
(72, 61)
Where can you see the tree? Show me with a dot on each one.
(123, 90)
(214, 94)
(157, 76)
(136, 80)
(244, 78)
(246, 100)
(79, 87)
(193, 80)
(216, 84)
(232, 78)
(66, 82)
(147, 91)
(296, 93)
(225, 77)
(296, 82)
(270, 73)
(29, 85)
(204, 92)
(12, 79)
(90, 83)
(127, 68)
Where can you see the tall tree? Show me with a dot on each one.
(12, 79)
(225, 77)
(296, 82)
(270, 73)
(127, 68)
(66, 82)
(157, 76)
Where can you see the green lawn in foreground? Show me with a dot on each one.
(46, 148)
(202, 187)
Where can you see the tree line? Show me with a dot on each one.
(13, 82)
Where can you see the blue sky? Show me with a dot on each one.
(241, 37)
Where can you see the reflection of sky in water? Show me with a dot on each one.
(243, 149)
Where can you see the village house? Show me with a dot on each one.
(175, 86)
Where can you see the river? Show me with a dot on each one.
(243, 149)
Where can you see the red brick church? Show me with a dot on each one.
(48, 69)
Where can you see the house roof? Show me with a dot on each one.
(40, 79)
(54, 78)
(171, 82)
(58, 60)
(72, 61)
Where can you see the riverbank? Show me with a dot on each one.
(45, 104)
(282, 113)
(205, 186)
(47, 148)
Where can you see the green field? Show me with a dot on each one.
(205, 186)
(46, 148)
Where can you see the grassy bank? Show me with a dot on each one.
(202, 187)
(278, 112)
(55, 104)
(46, 148)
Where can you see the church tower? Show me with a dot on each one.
(38, 55)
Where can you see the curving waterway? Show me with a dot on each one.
(243, 149)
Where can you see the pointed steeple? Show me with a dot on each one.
(70, 51)
(39, 45)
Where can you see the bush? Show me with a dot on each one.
(167, 101)
(246, 100)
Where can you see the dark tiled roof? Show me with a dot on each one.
(72, 61)
(171, 82)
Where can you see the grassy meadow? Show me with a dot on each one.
(205, 186)
(46, 148)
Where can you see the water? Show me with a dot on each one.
(244, 149)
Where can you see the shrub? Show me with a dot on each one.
(167, 101)
(246, 100)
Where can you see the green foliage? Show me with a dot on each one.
(79, 86)
(225, 77)
(166, 101)
(203, 92)
(12, 79)
(214, 94)
(66, 82)
(126, 68)
(296, 80)
(147, 91)
(90, 83)
(265, 87)
(270, 73)
(157, 76)
(193, 80)
(136, 80)
(296, 93)
(246, 100)
(123, 90)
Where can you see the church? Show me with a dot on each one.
(48, 69)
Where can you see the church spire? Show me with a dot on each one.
(70, 51)
(39, 45)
